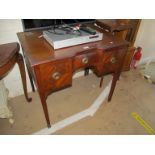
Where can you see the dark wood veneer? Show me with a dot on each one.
(52, 70)
(9, 56)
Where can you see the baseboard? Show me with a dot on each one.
(145, 60)
(90, 111)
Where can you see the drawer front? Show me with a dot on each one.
(112, 60)
(56, 75)
(85, 60)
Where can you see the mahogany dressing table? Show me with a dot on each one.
(52, 70)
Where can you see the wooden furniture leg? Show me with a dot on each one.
(45, 109)
(86, 72)
(31, 80)
(42, 94)
(115, 78)
(23, 75)
(101, 82)
(30, 77)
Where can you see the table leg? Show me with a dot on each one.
(23, 75)
(45, 109)
(115, 78)
(86, 72)
(42, 94)
(101, 81)
(31, 80)
(29, 74)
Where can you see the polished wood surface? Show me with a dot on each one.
(113, 25)
(7, 52)
(52, 70)
(39, 51)
(9, 56)
(123, 28)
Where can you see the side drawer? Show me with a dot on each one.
(113, 60)
(56, 75)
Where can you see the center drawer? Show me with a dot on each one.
(84, 60)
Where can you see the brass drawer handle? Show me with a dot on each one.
(113, 60)
(85, 60)
(56, 76)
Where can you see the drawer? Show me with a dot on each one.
(112, 60)
(85, 60)
(56, 75)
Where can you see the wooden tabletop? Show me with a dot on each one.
(114, 24)
(7, 51)
(38, 50)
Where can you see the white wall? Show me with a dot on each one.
(146, 38)
(8, 30)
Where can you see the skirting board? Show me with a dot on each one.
(145, 60)
(76, 117)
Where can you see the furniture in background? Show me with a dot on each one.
(124, 28)
(9, 56)
(52, 70)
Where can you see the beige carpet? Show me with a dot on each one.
(29, 117)
(132, 94)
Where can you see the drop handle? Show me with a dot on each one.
(113, 60)
(56, 76)
(85, 60)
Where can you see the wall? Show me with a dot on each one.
(8, 30)
(146, 38)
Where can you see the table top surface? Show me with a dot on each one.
(7, 51)
(38, 50)
(114, 24)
